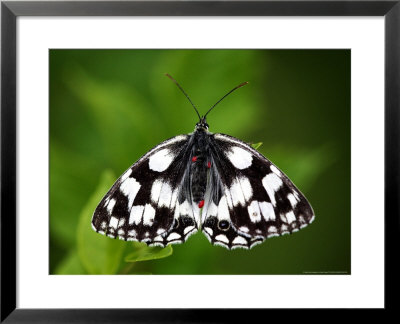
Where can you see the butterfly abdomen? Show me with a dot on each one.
(200, 163)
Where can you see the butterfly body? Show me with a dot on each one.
(212, 182)
(199, 166)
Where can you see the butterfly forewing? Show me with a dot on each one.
(151, 201)
(248, 199)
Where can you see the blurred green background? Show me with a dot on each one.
(109, 107)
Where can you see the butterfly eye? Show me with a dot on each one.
(223, 225)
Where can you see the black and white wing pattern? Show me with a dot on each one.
(151, 201)
(248, 199)
(237, 196)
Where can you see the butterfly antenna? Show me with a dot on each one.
(183, 93)
(237, 87)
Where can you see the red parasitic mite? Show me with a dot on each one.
(194, 158)
(209, 164)
(201, 204)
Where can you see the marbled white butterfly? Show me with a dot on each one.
(202, 180)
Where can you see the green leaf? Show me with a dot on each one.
(256, 145)
(99, 254)
(64, 179)
(145, 253)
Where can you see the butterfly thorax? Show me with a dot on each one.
(200, 164)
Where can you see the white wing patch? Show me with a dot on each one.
(244, 229)
(237, 194)
(293, 200)
(126, 174)
(165, 195)
(113, 222)
(212, 210)
(161, 160)
(188, 229)
(254, 211)
(173, 236)
(275, 170)
(239, 240)
(267, 211)
(136, 213)
(161, 193)
(130, 187)
(272, 183)
(246, 188)
(110, 205)
(222, 238)
(239, 157)
(184, 208)
(223, 211)
(290, 217)
(148, 215)
(228, 195)
(155, 191)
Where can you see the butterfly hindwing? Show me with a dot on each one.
(249, 199)
(151, 201)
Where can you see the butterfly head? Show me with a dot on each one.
(202, 124)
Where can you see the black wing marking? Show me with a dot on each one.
(248, 198)
(151, 201)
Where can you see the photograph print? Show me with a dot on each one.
(200, 161)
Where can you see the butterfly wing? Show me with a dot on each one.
(249, 199)
(151, 201)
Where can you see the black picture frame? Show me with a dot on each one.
(10, 10)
